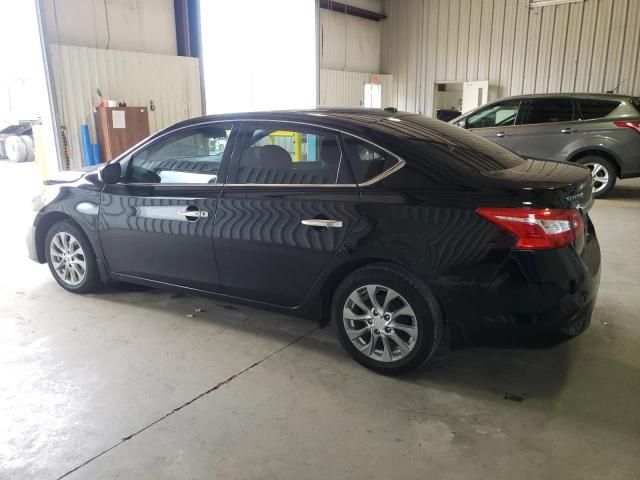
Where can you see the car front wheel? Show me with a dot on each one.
(386, 320)
(71, 259)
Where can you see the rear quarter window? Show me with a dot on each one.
(592, 109)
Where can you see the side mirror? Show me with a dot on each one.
(463, 123)
(111, 173)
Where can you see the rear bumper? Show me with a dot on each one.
(533, 293)
(630, 166)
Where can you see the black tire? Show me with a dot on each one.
(91, 280)
(603, 189)
(428, 317)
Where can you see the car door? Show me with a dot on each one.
(157, 223)
(546, 126)
(289, 205)
(495, 122)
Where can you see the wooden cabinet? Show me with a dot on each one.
(119, 128)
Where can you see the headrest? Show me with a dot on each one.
(329, 151)
(274, 157)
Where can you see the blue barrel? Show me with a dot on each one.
(86, 145)
(95, 152)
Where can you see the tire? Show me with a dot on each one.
(603, 172)
(28, 141)
(16, 149)
(420, 330)
(55, 242)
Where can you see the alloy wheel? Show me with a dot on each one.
(68, 259)
(380, 323)
(600, 176)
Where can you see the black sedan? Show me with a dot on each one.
(401, 230)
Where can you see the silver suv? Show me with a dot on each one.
(600, 131)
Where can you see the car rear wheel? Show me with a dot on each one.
(71, 259)
(603, 174)
(386, 320)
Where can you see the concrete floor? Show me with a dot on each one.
(122, 384)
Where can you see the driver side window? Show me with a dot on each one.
(498, 115)
(191, 156)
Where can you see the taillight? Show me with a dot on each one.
(537, 228)
(628, 124)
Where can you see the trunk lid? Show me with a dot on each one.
(551, 184)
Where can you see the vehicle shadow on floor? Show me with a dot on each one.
(567, 379)
(626, 190)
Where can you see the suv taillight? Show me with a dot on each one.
(537, 228)
(628, 124)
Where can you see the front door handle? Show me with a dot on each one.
(567, 130)
(502, 134)
(322, 223)
(194, 213)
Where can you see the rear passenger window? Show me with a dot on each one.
(282, 155)
(596, 108)
(548, 110)
(367, 161)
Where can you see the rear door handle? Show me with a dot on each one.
(322, 223)
(502, 134)
(567, 130)
(194, 213)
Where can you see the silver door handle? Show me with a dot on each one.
(194, 213)
(501, 134)
(567, 130)
(319, 222)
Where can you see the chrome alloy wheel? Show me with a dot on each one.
(380, 323)
(600, 176)
(68, 259)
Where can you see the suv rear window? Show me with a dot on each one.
(547, 110)
(596, 108)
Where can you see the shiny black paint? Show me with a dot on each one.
(253, 248)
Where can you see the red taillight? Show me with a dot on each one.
(628, 124)
(537, 228)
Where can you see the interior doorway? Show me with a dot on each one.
(447, 100)
(372, 95)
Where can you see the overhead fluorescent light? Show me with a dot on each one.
(547, 3)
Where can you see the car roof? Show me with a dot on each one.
(333, 117)
(594, 96)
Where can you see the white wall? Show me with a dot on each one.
(590, 46)
(346, 89)
(348, 42)
(133, 25)
(173, 83)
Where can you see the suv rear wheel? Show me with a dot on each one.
(603, 173)
(386, 320)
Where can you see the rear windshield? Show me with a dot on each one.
(440, 141)
(597, 108)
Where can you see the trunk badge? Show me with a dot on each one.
(572, 198)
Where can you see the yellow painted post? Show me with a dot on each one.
(40, 150)
(297, 139)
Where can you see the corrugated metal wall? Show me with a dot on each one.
(590, 46)
(346, 89)
(171, 82)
